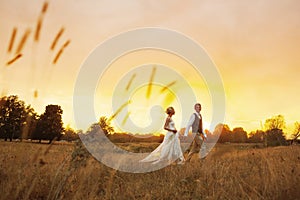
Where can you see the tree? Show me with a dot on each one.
(296, 133)
(12, 117)
(275, 137)
(256, 136)
(239, 135)
(69, 134)
(225, 133)
(274, 134)
(104, 123)
(276, 122)
(49, 125)
(30, 123)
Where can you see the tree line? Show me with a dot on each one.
(20, 121)
(272, 135)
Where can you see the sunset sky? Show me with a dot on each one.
(255, 46)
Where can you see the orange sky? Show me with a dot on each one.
(254, 45)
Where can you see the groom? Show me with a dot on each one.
(196, 123)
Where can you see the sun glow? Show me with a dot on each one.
(42, 54)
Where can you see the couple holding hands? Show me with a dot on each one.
(169, 150)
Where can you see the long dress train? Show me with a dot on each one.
(169, 150)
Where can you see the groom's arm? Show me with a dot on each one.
(189, 124)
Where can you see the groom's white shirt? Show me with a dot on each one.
(190, 123)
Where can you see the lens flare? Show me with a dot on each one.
(150, 83)
(119, 110)
(130, 82)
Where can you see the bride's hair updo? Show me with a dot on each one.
(169, 110)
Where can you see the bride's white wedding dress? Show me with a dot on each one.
(169, 150)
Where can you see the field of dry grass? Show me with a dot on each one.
(66, 171)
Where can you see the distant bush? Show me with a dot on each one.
(275, 137)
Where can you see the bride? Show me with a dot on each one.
(169, 150)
